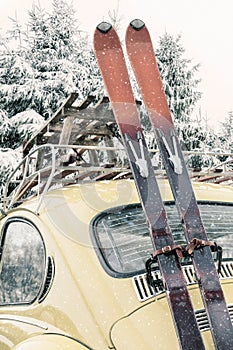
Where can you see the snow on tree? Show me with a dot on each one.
(226, 133)
(10, 158)
(13, 132)
(5, 129)
(26, 123)
(3, 40)
(60, 57)
(196, 137)
(18, 129)
(178, 77)
(16, 83)
(180, 86)
(48, 57)
(53, 58)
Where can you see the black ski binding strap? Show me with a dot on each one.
(168, 249)
(216, 248)
(140, 162)
(155, 283)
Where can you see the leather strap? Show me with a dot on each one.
(197, 243)
(184, 251)
(168, 249)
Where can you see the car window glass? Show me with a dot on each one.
(124, 242)
(22, 264)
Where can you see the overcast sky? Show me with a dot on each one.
(206, 27)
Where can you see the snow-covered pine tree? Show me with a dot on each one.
(180, 85)
(3, 40)
(196, 137)
(178, 76)
(16, 91)
(60, 56)
(226, 133)
(13, 132)
(179, 80)
(48, 57)
(5, 130)
(181, 88)
(16, 82)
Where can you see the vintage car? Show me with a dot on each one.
(74, 243)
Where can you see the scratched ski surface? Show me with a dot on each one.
(111, 61)
(143, 61)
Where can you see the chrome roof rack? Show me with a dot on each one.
(80, 143)
(76, 144)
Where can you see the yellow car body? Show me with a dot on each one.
(64, 294)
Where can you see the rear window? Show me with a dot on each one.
(123, 242)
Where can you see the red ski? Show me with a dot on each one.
(111, 61)
(143, 61)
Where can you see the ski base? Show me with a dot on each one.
(141, 54)
(111, 61)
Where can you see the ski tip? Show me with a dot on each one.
(104, 27)
(137, 24)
